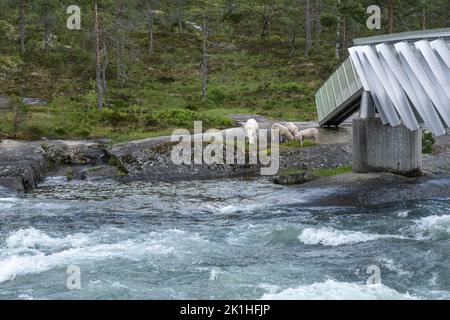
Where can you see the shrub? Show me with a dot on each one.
(183, 118)
(427, 143)
(216, 121)
(328, 20)
(170, 118)
(216, 96)
(60, 131)
(83, 132)
(31, 132)
(116, 117)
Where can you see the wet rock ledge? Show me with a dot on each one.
(24, 164)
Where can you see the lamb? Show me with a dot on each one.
(312, 133)
(292, 128)
(285, 135)
(251, 130)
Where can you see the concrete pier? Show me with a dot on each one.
(382, 148)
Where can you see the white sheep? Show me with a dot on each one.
(251, 128)
(312, 133)
(285, 134)
(292, 128)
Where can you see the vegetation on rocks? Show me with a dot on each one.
(318, 173)
(427, 143)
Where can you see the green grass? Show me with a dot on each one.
(162, 92)
(69, 174)
(295, 144)
(320, 173)
(290, 172)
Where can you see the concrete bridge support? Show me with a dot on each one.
(382, 148)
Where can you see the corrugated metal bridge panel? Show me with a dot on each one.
(409, 81)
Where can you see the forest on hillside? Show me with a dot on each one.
(139, 68)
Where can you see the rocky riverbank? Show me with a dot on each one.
(24, 164)
(376, 189)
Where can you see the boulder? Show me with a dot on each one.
(294, 179)
(22, 165)
(74, 152)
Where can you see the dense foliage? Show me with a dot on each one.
(263, 56)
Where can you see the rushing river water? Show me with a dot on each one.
(232, 239)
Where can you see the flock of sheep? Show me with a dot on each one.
(288, 131)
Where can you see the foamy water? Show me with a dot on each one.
(230, 239)
(334, 290)
(331, 237)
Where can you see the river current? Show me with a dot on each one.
(227, 239)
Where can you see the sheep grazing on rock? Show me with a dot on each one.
(251, 130)
(285, 134)
(312, 134)
(292, 128)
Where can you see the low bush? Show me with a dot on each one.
(427, 143)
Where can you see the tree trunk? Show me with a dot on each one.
(292, 38)
(46, 26)
(179, 16)
(22, 25)
(307, 27)
(338, 33)
(118, 59)
(318, 22)
(104, 67)
(150, 29)
(391, 16)
(124, 59)
(205, 60)
(267, 19)
(448, 10)
(344, 37)
(265, 29)
(424, 19)
(98, 77)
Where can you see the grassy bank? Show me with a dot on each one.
(161, 92)
(320, 173)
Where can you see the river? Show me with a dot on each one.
(227, 239)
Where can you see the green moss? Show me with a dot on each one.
(290, 172)
(296, 144)
(113, 161)
(427, 143)
(331, 172)
(69, 174)
(320, 173)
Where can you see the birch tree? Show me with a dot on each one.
(204, 64)
(268, 14)
(22, 25)
(179, 5)
(318, 24)
(48, 20)
(149, 19)
(98, 77)
(391, 14)
(308, 37)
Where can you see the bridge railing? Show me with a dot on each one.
(339, 88)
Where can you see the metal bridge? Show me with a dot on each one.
(406, 74)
